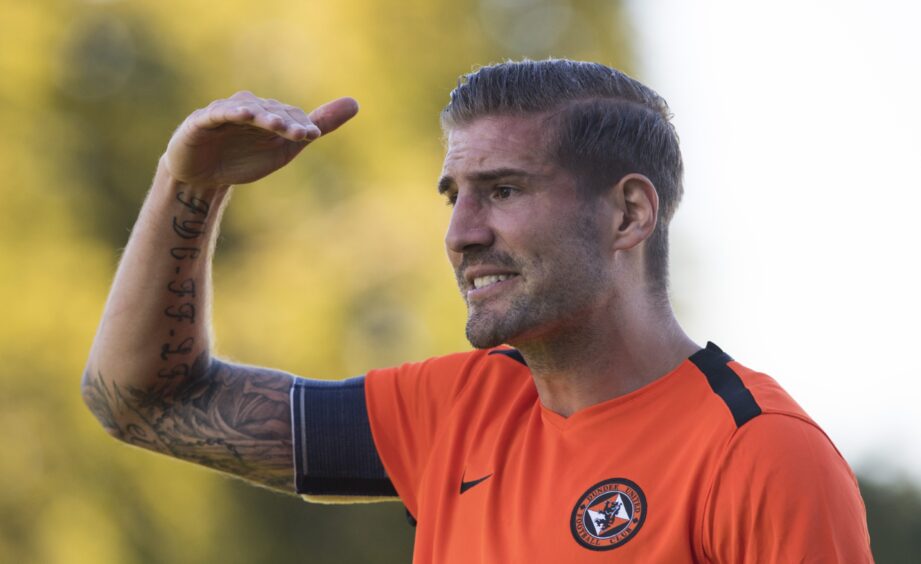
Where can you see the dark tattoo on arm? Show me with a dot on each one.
(181, 369)
(182, 312)
(183, 289)
(197, 206)
(228, 417)
(235, 419)
(183, 348)
(189, 253)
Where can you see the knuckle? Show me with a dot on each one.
(297, 113)
(243, 109)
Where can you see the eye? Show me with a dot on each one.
(503, 192)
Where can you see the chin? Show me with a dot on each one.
(486, 330)
(484, 343)
(483, 338)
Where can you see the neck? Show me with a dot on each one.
(608, 355)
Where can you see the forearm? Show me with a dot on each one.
(155, 329)
(150, 379)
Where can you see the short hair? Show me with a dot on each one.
(606, 125)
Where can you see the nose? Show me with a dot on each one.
(469, 226)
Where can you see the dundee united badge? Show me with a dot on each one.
(608, 514)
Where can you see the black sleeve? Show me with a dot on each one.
(334, 452)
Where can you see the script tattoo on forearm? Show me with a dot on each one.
(232, 418)
(190, 253)
(182, 289)
(190, 224)
(183, 348)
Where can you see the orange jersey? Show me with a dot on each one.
(712, 462)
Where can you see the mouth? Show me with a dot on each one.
(485, 281)
(482, 285)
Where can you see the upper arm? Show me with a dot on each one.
(230, 417)
(784, 494)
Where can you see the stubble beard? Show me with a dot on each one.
(571, 283)
(570, 293)
(536, 316)
(487, 329)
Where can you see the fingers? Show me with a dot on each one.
(244, 108)
(290, 122)
(331, 115)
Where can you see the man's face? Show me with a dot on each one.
(527, 249)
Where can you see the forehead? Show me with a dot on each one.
(498, 142)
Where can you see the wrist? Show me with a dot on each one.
(203, 189)
(188, 203)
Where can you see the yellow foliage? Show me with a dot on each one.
(333, 266)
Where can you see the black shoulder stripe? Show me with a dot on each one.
(712, 361)
(514, 354)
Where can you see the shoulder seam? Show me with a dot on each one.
(713, 363)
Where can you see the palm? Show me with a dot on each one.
(244, 138)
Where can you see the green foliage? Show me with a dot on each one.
(894, 518)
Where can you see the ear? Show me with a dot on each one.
(637, 205)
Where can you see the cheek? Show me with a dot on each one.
(575, 251)
(525, 227)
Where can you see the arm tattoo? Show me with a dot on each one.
(228, 417)
(231, 418)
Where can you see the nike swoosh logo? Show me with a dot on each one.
(467, 485)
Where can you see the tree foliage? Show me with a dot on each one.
(328, 268)
(894, 518)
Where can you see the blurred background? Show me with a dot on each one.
(795, 249)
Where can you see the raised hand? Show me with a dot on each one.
(244, 138)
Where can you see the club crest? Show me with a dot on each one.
(608, 514)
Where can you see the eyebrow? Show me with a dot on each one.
(446, 182)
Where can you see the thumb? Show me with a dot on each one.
(331, 115)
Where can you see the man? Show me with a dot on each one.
(604, 433)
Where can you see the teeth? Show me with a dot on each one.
(483, 281)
